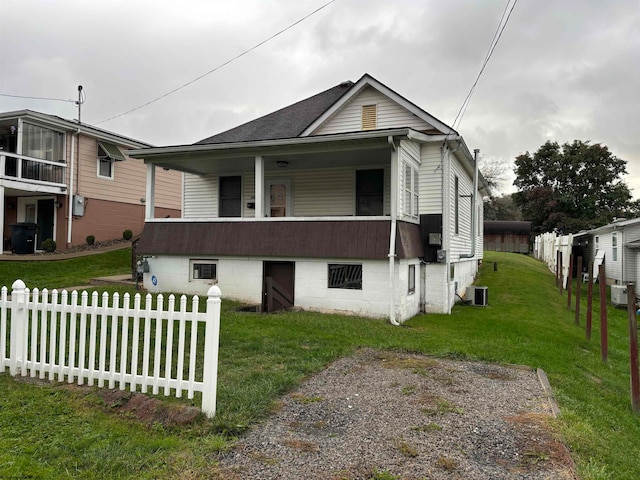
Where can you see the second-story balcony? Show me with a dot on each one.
(32, 174)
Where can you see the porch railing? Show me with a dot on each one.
(20, 167)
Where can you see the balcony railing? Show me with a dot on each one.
(33, 170)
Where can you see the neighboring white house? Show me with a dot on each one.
(352, 200)
(616, 244)
(620, 242)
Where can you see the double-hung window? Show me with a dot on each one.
(410, 185)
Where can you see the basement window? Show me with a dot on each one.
(412, 279)
(369, 117)
(203, 270)
(347, 276)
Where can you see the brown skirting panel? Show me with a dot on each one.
(317, 239)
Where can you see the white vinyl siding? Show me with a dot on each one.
(612, 269)
(430, 177)
(460, 242)
(315, 193)
(389, 114)
(318, 193)
(200, 196)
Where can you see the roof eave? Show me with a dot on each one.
(258, 144)
(72, 125)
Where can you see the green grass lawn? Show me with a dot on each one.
(50, 431)
(66, 273)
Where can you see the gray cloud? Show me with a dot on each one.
(563, 70)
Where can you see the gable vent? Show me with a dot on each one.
(369, 117)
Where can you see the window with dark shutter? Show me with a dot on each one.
(230, 196)
(370, 192)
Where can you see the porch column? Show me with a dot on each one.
(151, 192)
(2, 217)
(259, 187)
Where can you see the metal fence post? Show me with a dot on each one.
(211, 343)
(633, 347)
(19, 326)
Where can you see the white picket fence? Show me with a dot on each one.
(546, 248)
(55, 335)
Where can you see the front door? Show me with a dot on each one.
(279, 280)
(279, 198)
(46, 211)
(40, 211)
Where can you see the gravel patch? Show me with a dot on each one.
(382, 415)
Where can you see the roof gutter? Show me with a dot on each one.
(381, 135)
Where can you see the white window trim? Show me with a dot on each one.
(354, 197)
(410, 189)
(113, 168)
(198, 261)
(267, 195)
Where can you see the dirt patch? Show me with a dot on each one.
(148, 410)
(145, 409)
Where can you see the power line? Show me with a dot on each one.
(492, 47)
(219, 66)
(37, 98)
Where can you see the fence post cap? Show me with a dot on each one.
(214, 291)
(18, 285)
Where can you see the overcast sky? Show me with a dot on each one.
(563, 70)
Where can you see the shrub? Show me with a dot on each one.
(49, 245)
(127, 234)
(90, 239)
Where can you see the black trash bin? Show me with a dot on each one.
(23, 237)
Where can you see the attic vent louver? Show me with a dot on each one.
(369, 117)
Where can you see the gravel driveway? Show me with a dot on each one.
(383, 415)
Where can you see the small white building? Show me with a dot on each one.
(353, 200)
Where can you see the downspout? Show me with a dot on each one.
(392, 236)
(474, 194)
(70, 189)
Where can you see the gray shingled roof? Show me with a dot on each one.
(288, 122)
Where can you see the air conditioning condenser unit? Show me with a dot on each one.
(477, 296)
(619, 295)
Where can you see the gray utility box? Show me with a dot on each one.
(477, 296)
(77, 208)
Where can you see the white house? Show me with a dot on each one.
(352, 200)
(620, 242)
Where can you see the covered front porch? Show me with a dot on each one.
(357, 175)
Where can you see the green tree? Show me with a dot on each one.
(502, 208)
(572, 187)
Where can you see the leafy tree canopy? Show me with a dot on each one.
(502, 208)
(572, 187)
